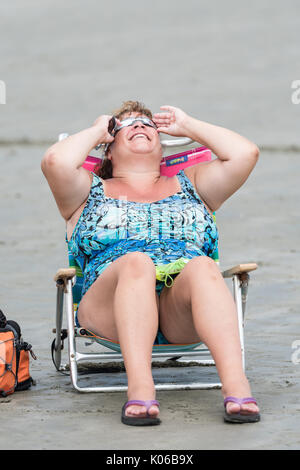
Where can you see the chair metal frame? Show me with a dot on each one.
(65, 280)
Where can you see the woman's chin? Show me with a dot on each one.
(146, 148)
(141, 144)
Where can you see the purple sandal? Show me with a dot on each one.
(238, 417)
(136, 421)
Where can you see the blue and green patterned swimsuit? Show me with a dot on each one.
(174, 227)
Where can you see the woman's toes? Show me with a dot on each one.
(136, 410)
(153, 411)
(248, 408)
(232, 408)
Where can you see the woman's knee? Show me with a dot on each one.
(136, 265)
(202, 266)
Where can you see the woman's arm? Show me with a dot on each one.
(217, 180)
(62, 166)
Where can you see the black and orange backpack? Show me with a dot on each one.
(14, 358)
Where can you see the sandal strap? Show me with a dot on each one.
(240, 401)
(146, 403)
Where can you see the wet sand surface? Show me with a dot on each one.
(53, 89)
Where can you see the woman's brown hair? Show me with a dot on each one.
(128, 107)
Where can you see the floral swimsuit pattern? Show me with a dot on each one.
(178, 226)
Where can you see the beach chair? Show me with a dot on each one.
(69, 285)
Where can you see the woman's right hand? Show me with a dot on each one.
(101, 124)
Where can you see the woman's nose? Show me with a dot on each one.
(139, 124)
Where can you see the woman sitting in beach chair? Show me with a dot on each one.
(128, 220)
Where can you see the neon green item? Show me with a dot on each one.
(164, 271)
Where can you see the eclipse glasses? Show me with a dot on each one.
(113, 127)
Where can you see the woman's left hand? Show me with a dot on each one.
(172, 121)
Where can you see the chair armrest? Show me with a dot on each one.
(239, 269)
(64, 274)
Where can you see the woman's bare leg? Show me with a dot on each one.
(199, 306)
(122, 305)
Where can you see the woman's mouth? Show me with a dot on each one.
(139, 136)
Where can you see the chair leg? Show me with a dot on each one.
(244, 278)
(71, 334)
(237, 292)
(58, 343)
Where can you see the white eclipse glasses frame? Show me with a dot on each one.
(131, 121)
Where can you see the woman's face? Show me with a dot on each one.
(137, 138)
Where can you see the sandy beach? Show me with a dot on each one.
(236, 70)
